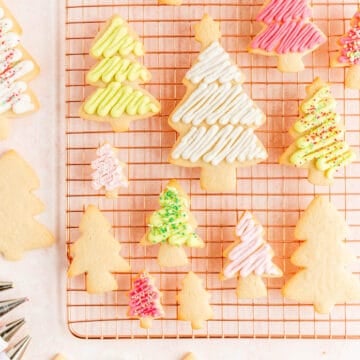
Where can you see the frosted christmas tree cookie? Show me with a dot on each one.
(17, 68)
(193, 302)
(216, 118)
(19, 231)
(323, 279)
(108, 171)
(287, 33)
(172, 226)
(250, 258)
(144, 301)
(96, 253)
(319, 137)
(119, 98)
(349, 53)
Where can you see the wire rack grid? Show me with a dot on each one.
(274, 193)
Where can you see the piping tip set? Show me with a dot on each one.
(8, 330)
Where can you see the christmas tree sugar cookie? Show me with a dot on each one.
(319, 137)
(172, 226)
(287, 33)
(119, 98)
(349, 53)
(17, 68)
(96, 253)
(216, 118)
(108, 171)
(145, 300)
(19, 231)
(250, 259)
(323, 279)
(193, 302)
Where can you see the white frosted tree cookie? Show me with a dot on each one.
(323, 279)
(216, 118)
(119, 98)
(172, 226)
(287, 33)
(108, 171)
(250, 258)
(96, 253)
(349, 54)
(193, 302)
(17, 68)
(19, 231)
(145, 300)
(319, 137)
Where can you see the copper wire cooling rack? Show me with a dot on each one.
(275, 194)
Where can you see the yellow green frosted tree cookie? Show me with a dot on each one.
(17, 68)
(319, 134)
(323, 279)
(19, 231)
(193, 302)
(173, 226)
(96, 253)
(119, 98)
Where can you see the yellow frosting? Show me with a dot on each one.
(117, 39)
(119, 99)
(322, 139)
(118, 69)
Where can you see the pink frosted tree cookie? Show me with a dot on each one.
(349, 53)
(287, 33)
(145, 300)
(108, 171)
(250, 258)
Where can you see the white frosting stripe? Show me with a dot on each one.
(214, 65)
(215, 145)
(214, 103)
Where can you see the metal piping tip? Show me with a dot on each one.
(5, 285)
(18, 350)
(9, 330)
(8, 305)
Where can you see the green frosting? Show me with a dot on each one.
(171, 222)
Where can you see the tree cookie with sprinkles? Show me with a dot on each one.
(349, 53)
(216, 119)
(172, 226)
(319, 137)
(145, 299)
(287, 33)
(119, 99)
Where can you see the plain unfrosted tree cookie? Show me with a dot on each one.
(287, 33)
(349, 53)
(319, 137)
(144, 300)
(193, 302)
(108, 171)
(96, 253)
(19, 231)
(323, 279)
(250, 259)
(119, 98)
(216, 119)
(17, 68)
(172, 226)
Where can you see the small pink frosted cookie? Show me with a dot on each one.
(287, 33)
(349, 53)
(145, 300)
(108, 171)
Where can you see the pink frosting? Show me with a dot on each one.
(108, 170)
(280, 10)
(145, 298)
(291, 36)
(252, 254)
